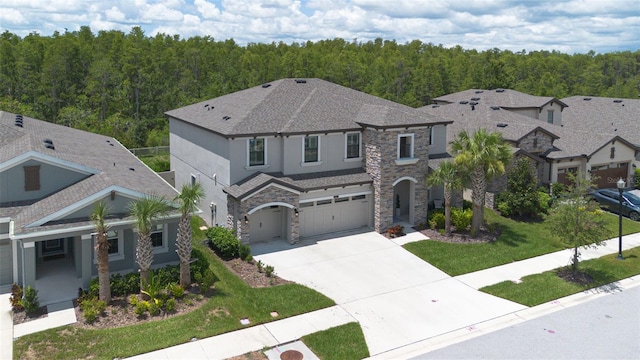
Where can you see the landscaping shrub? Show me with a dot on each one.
(260, 266)
(461, 218)
(395, 231)
(223, 242)
(207, 280)
(170, 305)
(637, 178)
(544, 200)
(16, 297)
(244, 251)
(141, 307)
(176, 290)
(30, 301)
(436, 220)
(91, 308)
(269, 270)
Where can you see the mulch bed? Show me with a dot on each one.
(576, 277)
(461, 237)
(248, 271)
(20, 317)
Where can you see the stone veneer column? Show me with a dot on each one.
(381, 149)
(270, 195)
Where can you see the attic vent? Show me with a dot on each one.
(132, 169)
(225, 118)
(435, 106)
(18, 121)
(502, 125)
(617, 101)
(473, 103)
(495, 108)
(475, 98)
(48, 141)
(479, 91)
(264, 86)
(209, 107)
(464, 102)
(301, 81)
(586, 99)
(499, 90)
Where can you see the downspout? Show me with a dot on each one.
(11, 230)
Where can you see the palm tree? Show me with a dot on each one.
(485, 156)
(98, 216)
(452, 178)
(189, 196)
(146, 210)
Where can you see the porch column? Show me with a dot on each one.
(29, 266)
(86, 262)
(294, 219)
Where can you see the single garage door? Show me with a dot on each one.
(332, 215)
(608, 174)
(6, 263)
(266, 224)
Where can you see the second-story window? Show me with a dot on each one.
(550, 116)
(257, 152)
(353, 146)
(32, 178)
(405, 146)
(311, 149)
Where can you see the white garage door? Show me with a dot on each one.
(266, 224)
(331, 215)
(6, 263)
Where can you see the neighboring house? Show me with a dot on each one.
(296, 158)
(575, 137)
(51, 178)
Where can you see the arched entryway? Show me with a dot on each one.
(404, 199)
(271, 221)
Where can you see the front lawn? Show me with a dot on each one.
(540, 288)
(518, 240)
(345, 342)
(232, 301)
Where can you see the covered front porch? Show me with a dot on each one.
(57, 280)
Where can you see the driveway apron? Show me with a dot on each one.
(396, 297)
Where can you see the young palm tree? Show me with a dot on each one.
(452, 178)
(189, 196)
(485, 156)
(146, 210)
(98, 216)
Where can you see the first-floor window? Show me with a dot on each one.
(112, 239)
(156, 236)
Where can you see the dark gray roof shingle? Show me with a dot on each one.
(506, 98)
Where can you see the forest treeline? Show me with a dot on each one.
(120, 84)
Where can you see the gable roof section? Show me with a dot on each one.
(109, 166)
(290, 106)
(505, 98)
(298, 182)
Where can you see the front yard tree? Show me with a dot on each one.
(189, 196)
(521, 197)
(484, 155)
(98, 216)
(576, 219)
(451, 177)
(146, 210)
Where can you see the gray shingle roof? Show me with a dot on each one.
(108, 162)
(505, 98)
(300, 182)
(288, 106)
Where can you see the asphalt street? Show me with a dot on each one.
(604, 328)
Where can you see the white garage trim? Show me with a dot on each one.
(335, 196)
(355, 194)
(405, 178)
(269, 205)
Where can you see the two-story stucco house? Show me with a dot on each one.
(295, 158)
(51, 178)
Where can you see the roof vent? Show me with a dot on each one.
(473, 103)
(209, 107)
(464, 102)
(617, 101)
(586, 99)
(225, 118)
(264, 86)
(18, 123)
(502, 125)
(499, 90)
(435, 106)
(132, 169)
(495, 108)
(475, 98)
(479, 91)
(301, 81)
(48, 141)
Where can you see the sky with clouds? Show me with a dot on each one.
(569, 26)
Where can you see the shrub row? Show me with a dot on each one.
(224, 243)
(460, 218)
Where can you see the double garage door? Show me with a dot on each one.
(6, 263)
(335, 214)
(608, 174)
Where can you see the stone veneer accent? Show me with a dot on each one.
(237, 210)
(544, 142)
(380, 150)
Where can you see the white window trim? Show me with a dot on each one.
(266, 158)
(413, 146)
(346, 145)
(165, 240)
(315, 163)
(112, 257)
(431, 131)
(550, 113)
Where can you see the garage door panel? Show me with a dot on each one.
(344, 214)
(607, 177)
(266, 224)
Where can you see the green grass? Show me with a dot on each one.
(344, 342)
(157, 163)
(540, 288)
(518, 240)
(232, 300)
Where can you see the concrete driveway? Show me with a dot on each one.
(396, 297)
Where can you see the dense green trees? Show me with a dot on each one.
(120, 84)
